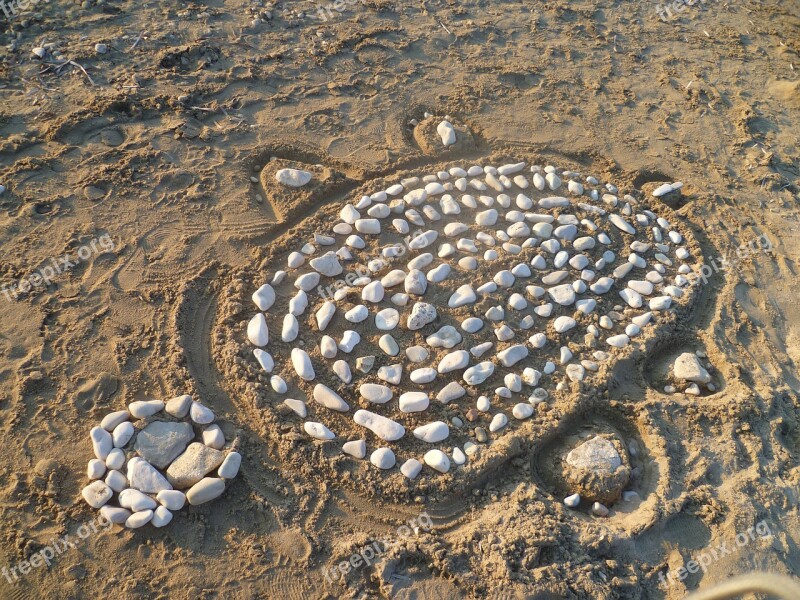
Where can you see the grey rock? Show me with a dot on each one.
(191, 466)
(161, 442)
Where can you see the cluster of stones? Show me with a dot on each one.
(575, 276)
(689, 374)
(598, 473)
(143, 473)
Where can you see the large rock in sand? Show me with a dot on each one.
(687, 367)
(597, 470)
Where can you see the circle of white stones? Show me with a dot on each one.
(555, 261)
(143, 475)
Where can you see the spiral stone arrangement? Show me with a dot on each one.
(485, 286)
(152, 466)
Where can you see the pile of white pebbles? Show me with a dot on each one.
(152, 468)
(478, 285)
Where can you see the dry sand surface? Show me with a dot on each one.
(150, 163)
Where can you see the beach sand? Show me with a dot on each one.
(154, 171)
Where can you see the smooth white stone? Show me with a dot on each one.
(290, 328)
(471, 324)
(522, 411)
(447, 133)
(141, 409)
(562, 294)
(432, 432)
(621, 223)
(486, 218)
(329, 399)
(387, 319)
(498, 422)
(517, 302)
(388, 344)
(416, 354)
(553, 181)
(660, 303)
(295, 259)
(424, 375)
(301, 362)
(135, 500)
(391, 373)
(327, 264)
(512, 355)
(373, 292)
(454, 361)
(565, 355)
(355, 448)
(325, 314)
(111, 420)
(297, 406)
(575, 372)
(439, 273)
(172, 499)
(531, 376)
(504, 333)
(205, 490)
(421, 261)
(96, 468)
(602, 285)
(446, 337)
(450, 392)
(263, 358)
(479, 373)
(563, 324)
(384, 428)
(416, 283)
(356, 242)
(572, 501)
(278, 384)
(411, 468)
(328, 347)
(122, 434)
(139, 519)
(399, 299)
(161, 517)
(393, 278)
(213, 437)
(436, 459)
(413, 402)
(298, 303)
(307, 282)
(200, 414)
(495, 313)
(383, 458)
(481, 349)
(618, 341)
(115, 514)
(632, 297)
(102, 442)
(357, 314)
(116, 459)
(368, 226)
(350, 340)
